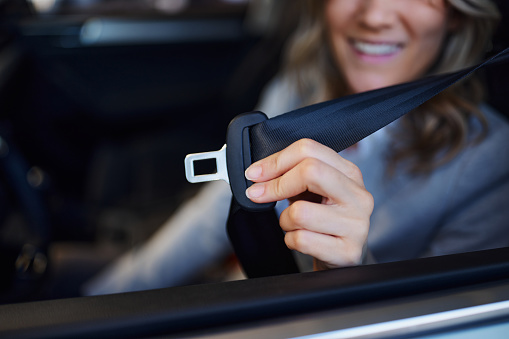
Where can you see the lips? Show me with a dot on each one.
(376, 48)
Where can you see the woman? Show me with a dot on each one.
(415, 168)
(426, 173)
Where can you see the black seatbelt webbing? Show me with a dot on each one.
(338, 124)
(258, 242)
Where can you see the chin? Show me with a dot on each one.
(370, 84)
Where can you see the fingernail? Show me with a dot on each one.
(253, 172)
(255, 191)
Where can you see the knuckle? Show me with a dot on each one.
(289, 240)
(359, 230)
(371, 202)
(353, 256)
(368, 200)
(301, 241)
(298, 213)
(310, 168)
(275, 164)
(296, 240)
(270, 164)
(363, 199)
(306, 147)
(278, 188)
(354, 172)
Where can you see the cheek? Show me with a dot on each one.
(429, 41)
(431, 31)
(338, 14)
(338, 17)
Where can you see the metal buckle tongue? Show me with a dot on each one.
(221, 170)
(232, 160)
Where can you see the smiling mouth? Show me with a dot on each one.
(376, 49)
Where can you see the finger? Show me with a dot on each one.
(332, 220)
(309, 175)
(333, 251)
(278, 163)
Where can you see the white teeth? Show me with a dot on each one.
(376, 49)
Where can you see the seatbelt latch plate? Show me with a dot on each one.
(221, 170)
(232, 160)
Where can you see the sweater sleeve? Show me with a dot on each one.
(193, 238)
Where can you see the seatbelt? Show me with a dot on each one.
(338, 124)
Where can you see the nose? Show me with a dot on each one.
(376, 14)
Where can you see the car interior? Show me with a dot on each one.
(100, 101)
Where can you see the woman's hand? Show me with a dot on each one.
(328, 216)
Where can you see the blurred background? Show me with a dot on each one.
(100, 101)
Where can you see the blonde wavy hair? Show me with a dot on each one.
(435, 132)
